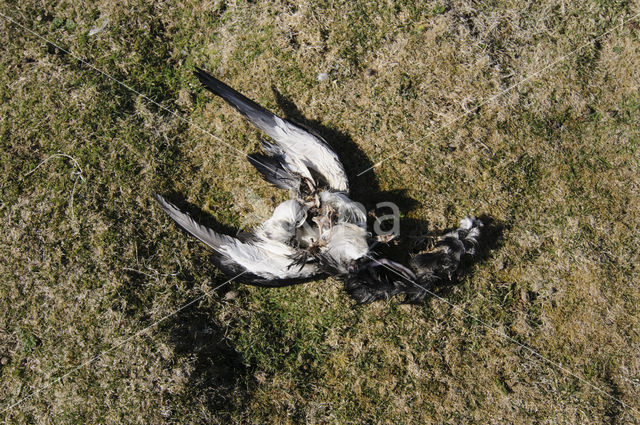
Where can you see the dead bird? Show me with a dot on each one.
(319, 232)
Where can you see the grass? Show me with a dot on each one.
(89, 263)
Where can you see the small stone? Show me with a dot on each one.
(323, 76)
(4, 361)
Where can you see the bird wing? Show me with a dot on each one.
(303, 148)
(275, 170)
(262, 262)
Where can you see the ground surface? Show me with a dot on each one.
(88, 262)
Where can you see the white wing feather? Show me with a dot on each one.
(269, 259)
(311, 151)
(302, 148)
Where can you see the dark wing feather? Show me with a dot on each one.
(273, 171)
(256, 114)
(303, 149)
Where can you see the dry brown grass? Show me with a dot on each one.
(555, 160)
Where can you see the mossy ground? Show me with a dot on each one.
(87, 260)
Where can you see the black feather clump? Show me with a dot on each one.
(441, 263)
(381, 283)
(382, 279)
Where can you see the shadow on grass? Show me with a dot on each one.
(370, 195)
(217, 371)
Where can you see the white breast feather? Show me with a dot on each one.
(348, 210)
(345, 242)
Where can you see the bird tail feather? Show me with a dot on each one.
(442, 262)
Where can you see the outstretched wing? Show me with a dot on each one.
(261, 261)
(302, 147)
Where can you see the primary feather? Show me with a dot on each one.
(264, 259)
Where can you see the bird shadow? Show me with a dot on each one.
(412, 230)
